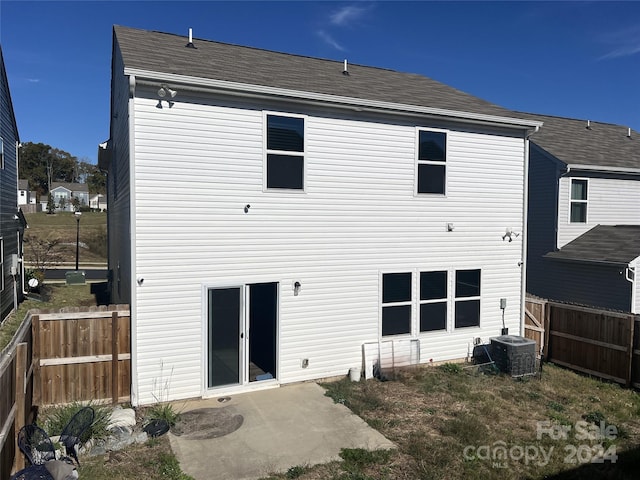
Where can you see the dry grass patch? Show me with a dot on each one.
(446, 420)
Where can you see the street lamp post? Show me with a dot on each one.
(77, 214)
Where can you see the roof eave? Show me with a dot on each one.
(357, 104)
(588, 260)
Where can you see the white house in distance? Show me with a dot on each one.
(63, 194)
(98, 201)
(584, 213)
(310, 210)
(25, 196)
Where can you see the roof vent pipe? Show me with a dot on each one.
(190, 44)
(588, 124)
(629, 132)
(345, 70)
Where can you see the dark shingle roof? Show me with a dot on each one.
(617, 244)
(167, 53)
(601, 145)
(74, 187)
(23, 184)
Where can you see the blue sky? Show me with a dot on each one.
(573, 59)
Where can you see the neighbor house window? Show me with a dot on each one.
(432, 157)
(396, 303)
(285, 152)
(578, 200)
(433, 301)
(467, 302)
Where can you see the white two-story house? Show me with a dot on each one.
(344, 206)
(584, 213)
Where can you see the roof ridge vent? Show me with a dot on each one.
(345, 70)
(190, 44)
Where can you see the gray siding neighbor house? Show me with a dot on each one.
(584, 213)
(11, 219)
(275, 218)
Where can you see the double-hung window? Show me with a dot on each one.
(467, 302)
(433, 301)
(396, 303)
(285, 152)
(432, 158)
(579, 201)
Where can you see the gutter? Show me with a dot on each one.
(150, 78)
(603, 169)
(630, 276)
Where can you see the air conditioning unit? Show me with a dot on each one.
(514, 355)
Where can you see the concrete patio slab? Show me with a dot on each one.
(283, 427)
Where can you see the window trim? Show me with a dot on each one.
(266, 152)
(419, 162)
(444, 300)
(572, 201)
(457, 299)
(409, 302)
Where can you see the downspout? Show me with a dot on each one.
(525, 232)
(132, 246)
(630, 276)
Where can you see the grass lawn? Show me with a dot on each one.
(62, 228)
(454, 423)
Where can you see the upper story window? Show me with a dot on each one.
(579, 200)
(285, 152)
(432, 157)
(467, 304)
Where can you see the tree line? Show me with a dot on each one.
(43, 164)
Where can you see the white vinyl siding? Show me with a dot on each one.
(198, 164)
(612, 201)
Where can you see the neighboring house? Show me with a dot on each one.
(64, 194)
(12, 222)
(25, 196)
(306, 215)
(584, 213)
(98, 201)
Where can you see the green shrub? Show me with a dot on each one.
(163, 411)
(453, 368)
(56, 418)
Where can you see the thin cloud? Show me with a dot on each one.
(33, 80)
(330, 40)
(625, 43)
(346, 15)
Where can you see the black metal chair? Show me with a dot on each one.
(33, 472)
(36, 444)
(72, 434)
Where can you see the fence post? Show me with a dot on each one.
(21, 376)
(35, 335)
(115, 348)
(547, 326)
(630, 356)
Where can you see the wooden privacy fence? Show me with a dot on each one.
(82, 356)
(602, 343)
(61, 357)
